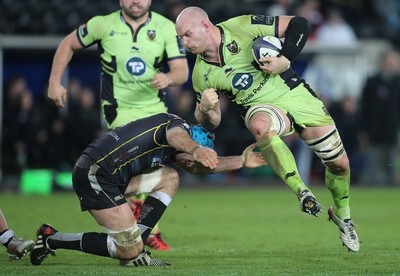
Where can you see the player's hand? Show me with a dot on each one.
(206, 156)
(209, 99)
(274, 65)
(251, 159)
(58, 94)
(160, 81)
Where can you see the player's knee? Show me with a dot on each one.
(340, 166)
(124, 244)
(329, 148)
(169, 181)
(265, 122)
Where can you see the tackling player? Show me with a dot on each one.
(119, 164)
(135, 45)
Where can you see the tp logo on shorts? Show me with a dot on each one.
(136, 66)
(242, 81)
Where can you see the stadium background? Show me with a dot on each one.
(30, 31)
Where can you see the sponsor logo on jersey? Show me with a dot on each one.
(242, 81)
(233, 47)
(136, 66)
(119, 197)
(151, 34)
(262, 20)
(83, 30)
(112, 33)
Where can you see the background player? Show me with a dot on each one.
(16, 247)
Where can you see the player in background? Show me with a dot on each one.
(274, 99)
(119, 164)
(135, 45)
(16, 247)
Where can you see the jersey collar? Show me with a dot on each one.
(139, 27)
(221, 62)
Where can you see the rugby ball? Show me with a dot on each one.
(266, 46)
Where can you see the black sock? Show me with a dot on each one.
(93, 243)
(150, 214)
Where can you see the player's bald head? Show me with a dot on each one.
(191, 14)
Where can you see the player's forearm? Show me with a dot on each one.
(179, 73)
(62, 57)
(225, 164)
(210, 119)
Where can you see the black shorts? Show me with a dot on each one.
(95, 188)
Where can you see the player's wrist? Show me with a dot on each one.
(194, 149)
(204, 110)
(244, 160)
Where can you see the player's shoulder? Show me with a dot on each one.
(107, 18)
(236, 22)
(161, 20)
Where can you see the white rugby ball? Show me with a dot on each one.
(266, 46)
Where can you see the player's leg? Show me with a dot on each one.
(328, 146)
(100, 194)
(161, 186)
(155, 240)
(16, 247)
(267, 123)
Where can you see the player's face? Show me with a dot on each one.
(135, 9)
(192, 37)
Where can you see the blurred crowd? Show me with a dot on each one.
(369, 18)
(36, 134)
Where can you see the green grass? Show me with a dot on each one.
(227, 231)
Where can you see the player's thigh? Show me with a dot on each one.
(304, 108)
(165, 179)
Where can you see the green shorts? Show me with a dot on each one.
(128, 114)
(304, 107)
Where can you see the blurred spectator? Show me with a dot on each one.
(389, 17)
(280, 7)
(347, 118)
(335, 30)
(380, 120)
(84, 123)
(311, 10)
(16, 93)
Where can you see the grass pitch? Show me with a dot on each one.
(227, 231)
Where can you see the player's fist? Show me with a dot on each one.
(209, 99)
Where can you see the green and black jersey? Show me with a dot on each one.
(129, 60)
(239, 77)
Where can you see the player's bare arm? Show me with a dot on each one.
(248, 159)
(56, 92)
(178, 74)
(208, 112)
(180, 140)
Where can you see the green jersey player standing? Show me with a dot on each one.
(134, 44)
(274, 99)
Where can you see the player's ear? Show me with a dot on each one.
(189, 163)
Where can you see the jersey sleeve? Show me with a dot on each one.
(253, 25)
(92, 31)
(173, 45)
(176, 121)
